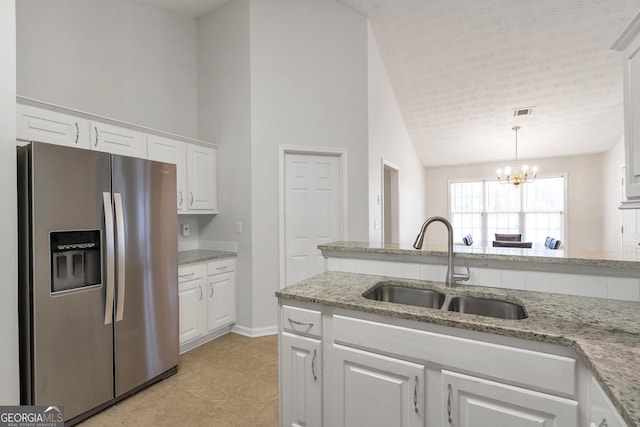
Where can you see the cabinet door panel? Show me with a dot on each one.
(474, 402)
(201, 178)
(221, 301)
(191, 309)
(171, 151)
(300, 381)
(117, 140)
(36, 124)
(375, 390)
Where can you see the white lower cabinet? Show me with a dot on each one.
(376, 391)
(300, 381)
(221, 294)
(469, 401)
(207, 301)
(191, 286)
(390, 372)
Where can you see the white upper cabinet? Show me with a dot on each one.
(195, 169)
(171, 151)
(629, 44)
(117, 140)
(37, 124)
(196, 161)
(201, 178)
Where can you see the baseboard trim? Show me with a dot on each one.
(217, 333)
(255, 332)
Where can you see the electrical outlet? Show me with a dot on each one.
(186, 230)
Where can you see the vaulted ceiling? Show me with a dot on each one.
(460, 67)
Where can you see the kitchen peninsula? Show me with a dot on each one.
(574, 359)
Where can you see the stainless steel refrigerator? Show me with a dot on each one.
(97, 276)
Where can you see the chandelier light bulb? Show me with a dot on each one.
(520, 175)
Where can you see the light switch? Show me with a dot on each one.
(239, 227)
(185, 230)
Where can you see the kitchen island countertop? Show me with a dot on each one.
(604, 333)
(536, 255)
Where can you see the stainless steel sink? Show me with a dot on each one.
(428, 298)
(486, 307)
(399, 294)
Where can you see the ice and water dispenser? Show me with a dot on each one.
(75, 259)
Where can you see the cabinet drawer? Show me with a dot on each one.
(302, 321)
(222, 266)
(189, 272)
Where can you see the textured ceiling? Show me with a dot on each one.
(459, 68)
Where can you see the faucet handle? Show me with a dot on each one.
(462, 277)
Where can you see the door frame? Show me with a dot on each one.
(341, 154)
(394, 196)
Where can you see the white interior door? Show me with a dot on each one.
(312, 212)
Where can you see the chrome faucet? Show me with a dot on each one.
(452, 276)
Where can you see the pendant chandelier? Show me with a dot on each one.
(517, 176)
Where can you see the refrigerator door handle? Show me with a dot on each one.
(109, 273)
(117, 199)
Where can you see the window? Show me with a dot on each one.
(483, 208)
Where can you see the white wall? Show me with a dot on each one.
(613, 160)
(118, 58)
(308, 88)
(193, 240)
(389, 140)
(585, 189)
(278, 72)
(9, 385)
(225, 117)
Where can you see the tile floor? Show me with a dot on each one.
(231, 381)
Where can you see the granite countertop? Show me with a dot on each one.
(201, 255)
(618, 260)
(605, 333)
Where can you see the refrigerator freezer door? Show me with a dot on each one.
(146, 337)
(72, 348)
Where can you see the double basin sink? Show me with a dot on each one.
(397, 293)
